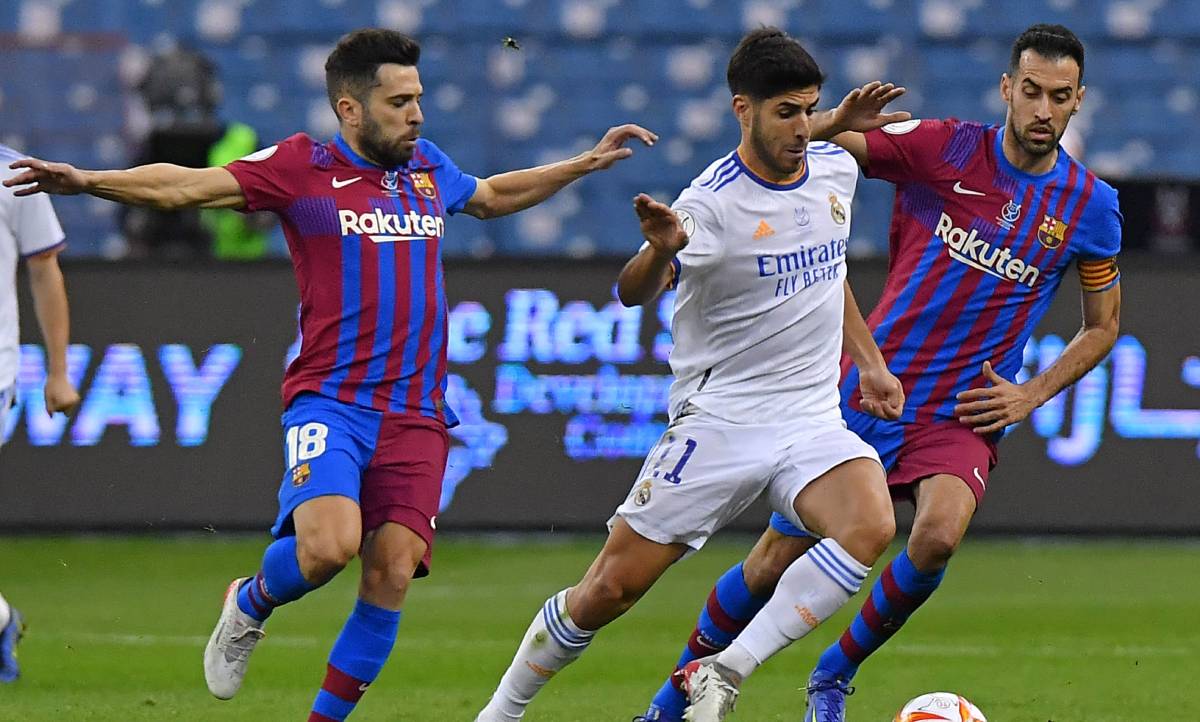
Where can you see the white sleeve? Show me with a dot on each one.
(701, 219)
(34, 224)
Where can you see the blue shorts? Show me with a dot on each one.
(390, 464)
(886, 437)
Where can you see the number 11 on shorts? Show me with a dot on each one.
(305, 442)
(674, 475)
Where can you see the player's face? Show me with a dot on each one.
(779, 129)
(1042, 96)
(391, 119)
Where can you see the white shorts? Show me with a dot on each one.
(6, 402)
(705, 471)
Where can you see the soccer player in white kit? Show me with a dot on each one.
(30, 230)
(756, 247)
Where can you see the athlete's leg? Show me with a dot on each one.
(318, 529)
(737, 596)
(850, 509)
(945, 505)
(625, 569)
(401, 488)
(390, 556)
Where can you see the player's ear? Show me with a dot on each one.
(1005, 88)
(1079, 99)
(741, 109)
(349, 111)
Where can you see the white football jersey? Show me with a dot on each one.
(758, 310)
(28, 226)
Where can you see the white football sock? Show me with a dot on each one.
(814, 587)
(5, 615)
(552, 642)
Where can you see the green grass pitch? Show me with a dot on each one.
(1030, 631)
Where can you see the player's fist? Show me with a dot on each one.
(862, 108)
(882, 393)
(60, 395)
(43, 176)
(611, 147)
(660, 225)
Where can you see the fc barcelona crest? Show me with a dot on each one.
(836, 209)
(1052, 232)
(423, 184)
(301, 474)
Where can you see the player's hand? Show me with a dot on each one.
(45, 177)
(882, 393)
(60, 395)
(862, 108)
(611, 147)
(660, 225)
(991, 409)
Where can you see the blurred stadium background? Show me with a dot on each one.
(174, 456)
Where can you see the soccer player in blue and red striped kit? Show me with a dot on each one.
(365, 417)
(987, 222)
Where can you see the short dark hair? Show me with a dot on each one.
(768, 62)
(352, 65)
(1051, 42)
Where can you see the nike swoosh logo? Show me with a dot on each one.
(343, 183)
(958, 188)
(977, 476)
(363, 687)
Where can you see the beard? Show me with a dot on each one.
(768, 158)
(378, 148)
(1037, 147)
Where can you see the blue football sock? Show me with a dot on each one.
(278, 583)
(730, 608)
(358, 654)
(900, 589)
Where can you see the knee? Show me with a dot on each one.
(867, 538)
(771, 556)
(599, 599)
(931, 546)
(388, 580)
(321, 557)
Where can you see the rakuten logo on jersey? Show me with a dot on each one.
(972, 250)
(383, 227)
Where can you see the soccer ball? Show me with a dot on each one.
(940, 707)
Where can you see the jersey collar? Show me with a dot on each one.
(1060, 163)
(357, 159)
(737, 158)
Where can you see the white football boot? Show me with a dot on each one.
(230, 646)
(712, 690)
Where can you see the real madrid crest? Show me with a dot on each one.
(423, 184)
(642, 496)
(836, 209)
(390, 183)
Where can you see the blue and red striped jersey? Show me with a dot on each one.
(366, 246)
(977, 250)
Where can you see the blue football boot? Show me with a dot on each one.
(826, 697)
(9, 637)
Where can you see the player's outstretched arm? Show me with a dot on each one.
(506, 193)
(50, 305)
(882, 392)
(1004, 403)
(158, 185)
(649, 272)
(861, 110)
